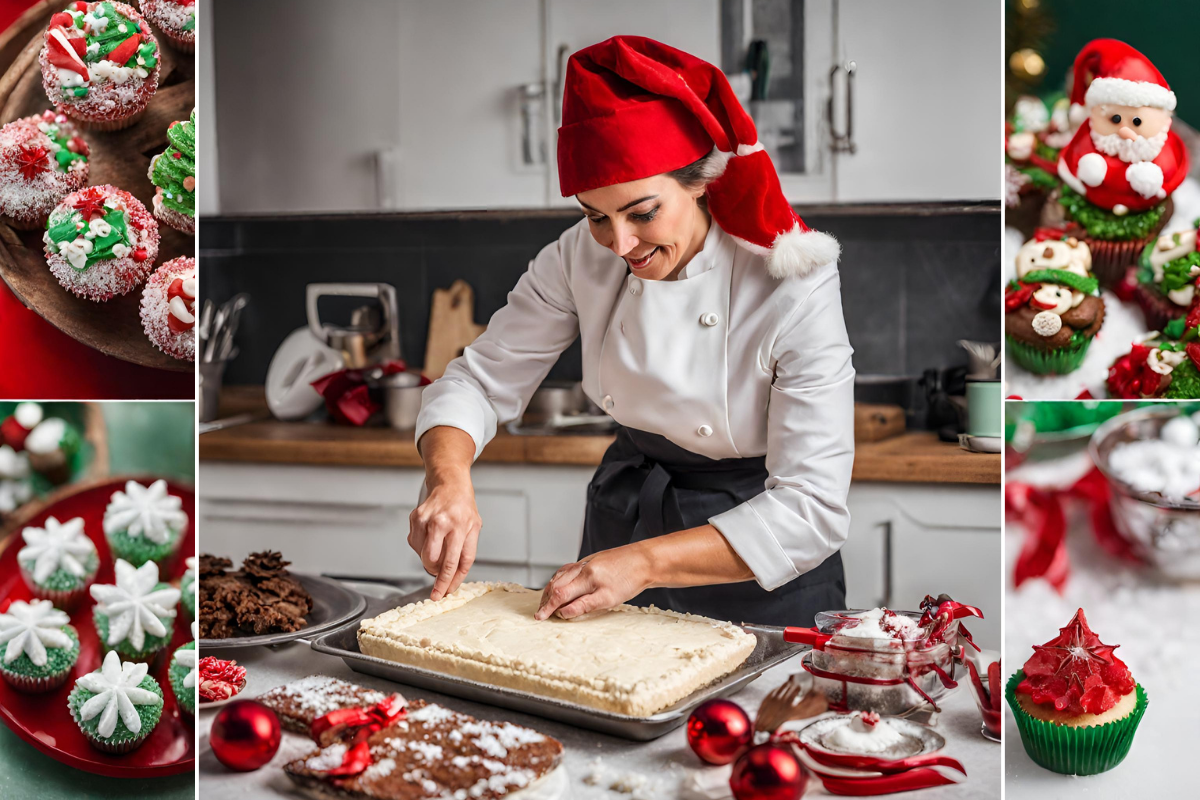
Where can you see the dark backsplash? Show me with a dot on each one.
(915, 279)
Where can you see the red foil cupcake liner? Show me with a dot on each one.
(1110, 260)
(1159, 310)
(31, 685)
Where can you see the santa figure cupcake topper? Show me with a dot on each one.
(1124, 157)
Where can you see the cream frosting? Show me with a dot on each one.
(58, 545)
(632, 660)
(29, 628)
(116, 692)
(870, 625)
(133, 605)
(187, 658)
(45, 438)
(859, 736)
(145, 511)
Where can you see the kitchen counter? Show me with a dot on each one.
(664, 762)
(914, 457)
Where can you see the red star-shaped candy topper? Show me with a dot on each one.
(1076, 671)
(90, 203)
(32, 161)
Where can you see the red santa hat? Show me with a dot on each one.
(634, 107)
(1121, 76)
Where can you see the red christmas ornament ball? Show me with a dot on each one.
(768, 772)
(245, 735)
(718, 730)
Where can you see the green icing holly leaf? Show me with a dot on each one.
(64, 230)
(102, 246)
(1061, 276)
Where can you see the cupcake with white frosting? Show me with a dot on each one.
(866, 734)
(136, 615)
(117, 706)
(144, 523)
(15, 486)
(52, 447)
(58, 562)
(39, 646)
(187, 587)
(183, 676)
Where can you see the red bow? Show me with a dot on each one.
(363, 721)
(1040, 511)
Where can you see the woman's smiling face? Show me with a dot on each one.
(655, 224)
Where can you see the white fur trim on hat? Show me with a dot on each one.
(1118, 91)
(797, 253)
(1092, 169)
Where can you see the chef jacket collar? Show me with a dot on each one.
(709, 254)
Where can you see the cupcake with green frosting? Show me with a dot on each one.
(135, 616)
(40, 646)
(188, 589)
(117, 706)
(1076, 704)
(144, 523)
(173, 173)
(58, 562)
(183, 676)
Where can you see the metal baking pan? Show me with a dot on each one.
(343, 643)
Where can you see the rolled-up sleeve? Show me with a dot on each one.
(492, 381)
(802, 519)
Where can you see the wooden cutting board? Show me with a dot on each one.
(873, 423)
(452, 327)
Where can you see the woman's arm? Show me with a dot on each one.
(694, 557)
(444, 529)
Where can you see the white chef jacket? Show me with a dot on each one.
(726, 362)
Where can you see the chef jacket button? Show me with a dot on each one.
(635, 287)
(710, 319)
(608, 402)
(704, 430)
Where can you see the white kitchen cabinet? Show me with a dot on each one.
(906, 540)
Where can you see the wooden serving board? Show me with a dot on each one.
(121, 158)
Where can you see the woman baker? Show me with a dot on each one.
(712, 332)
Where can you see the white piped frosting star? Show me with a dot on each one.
(116, 690)
(187, 658)
(134, 607)
(192, 563)
(59, 545)
(30, 628)
(145, 511)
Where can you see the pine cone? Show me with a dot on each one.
(212, 566)
(267, 564)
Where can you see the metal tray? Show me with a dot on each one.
(333, 605)
(343, 643)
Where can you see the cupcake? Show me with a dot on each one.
(100, 64)
(18, 425)
(52, 447)
(117, 706)
(1164, 281)
(40, 647)
(1029, 163)
(1076, 704)
(15, 486)
(169, 308)
(101, 242)
(1053, 310)
(1124, 162)
(1163, 367)
(173, 174)
(134, 617)
(42, 160)
(144, 523)
(183, 675)
(176, 19)
(187, 588)
(58, 562)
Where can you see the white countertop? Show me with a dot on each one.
(665, 762)
(1152, 621)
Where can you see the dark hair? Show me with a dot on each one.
(701, 172)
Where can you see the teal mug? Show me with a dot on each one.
(984, 407)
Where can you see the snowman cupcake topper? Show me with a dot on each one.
(116, 693)
(146, 511)
(134, 606)
(29, 628)
(59, 545)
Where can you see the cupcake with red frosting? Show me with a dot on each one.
(176, 19)
(100, 64)
(169, 308)
(42, 160)
(101, 242)
(1076, 704)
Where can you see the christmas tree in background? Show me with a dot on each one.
(1027, 32)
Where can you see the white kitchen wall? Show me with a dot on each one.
(208, 187)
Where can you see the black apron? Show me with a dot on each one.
(647, 486)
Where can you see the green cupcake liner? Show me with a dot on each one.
(1047, 362)
(1075, 751)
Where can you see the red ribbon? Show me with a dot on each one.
(1041, 512)
(362, 721)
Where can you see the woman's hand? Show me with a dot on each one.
(444, 528)
(598, 582)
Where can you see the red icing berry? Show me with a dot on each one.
(140, 254)
(32, 161)
(63, 19)
(1076, 672)
(90, 203)
(81, 6)
(177, 154)
(125, 50)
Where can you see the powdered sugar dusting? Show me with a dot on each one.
(329, 758)
(31, 201)
(321, 694)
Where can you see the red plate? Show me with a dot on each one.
(43, 719)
